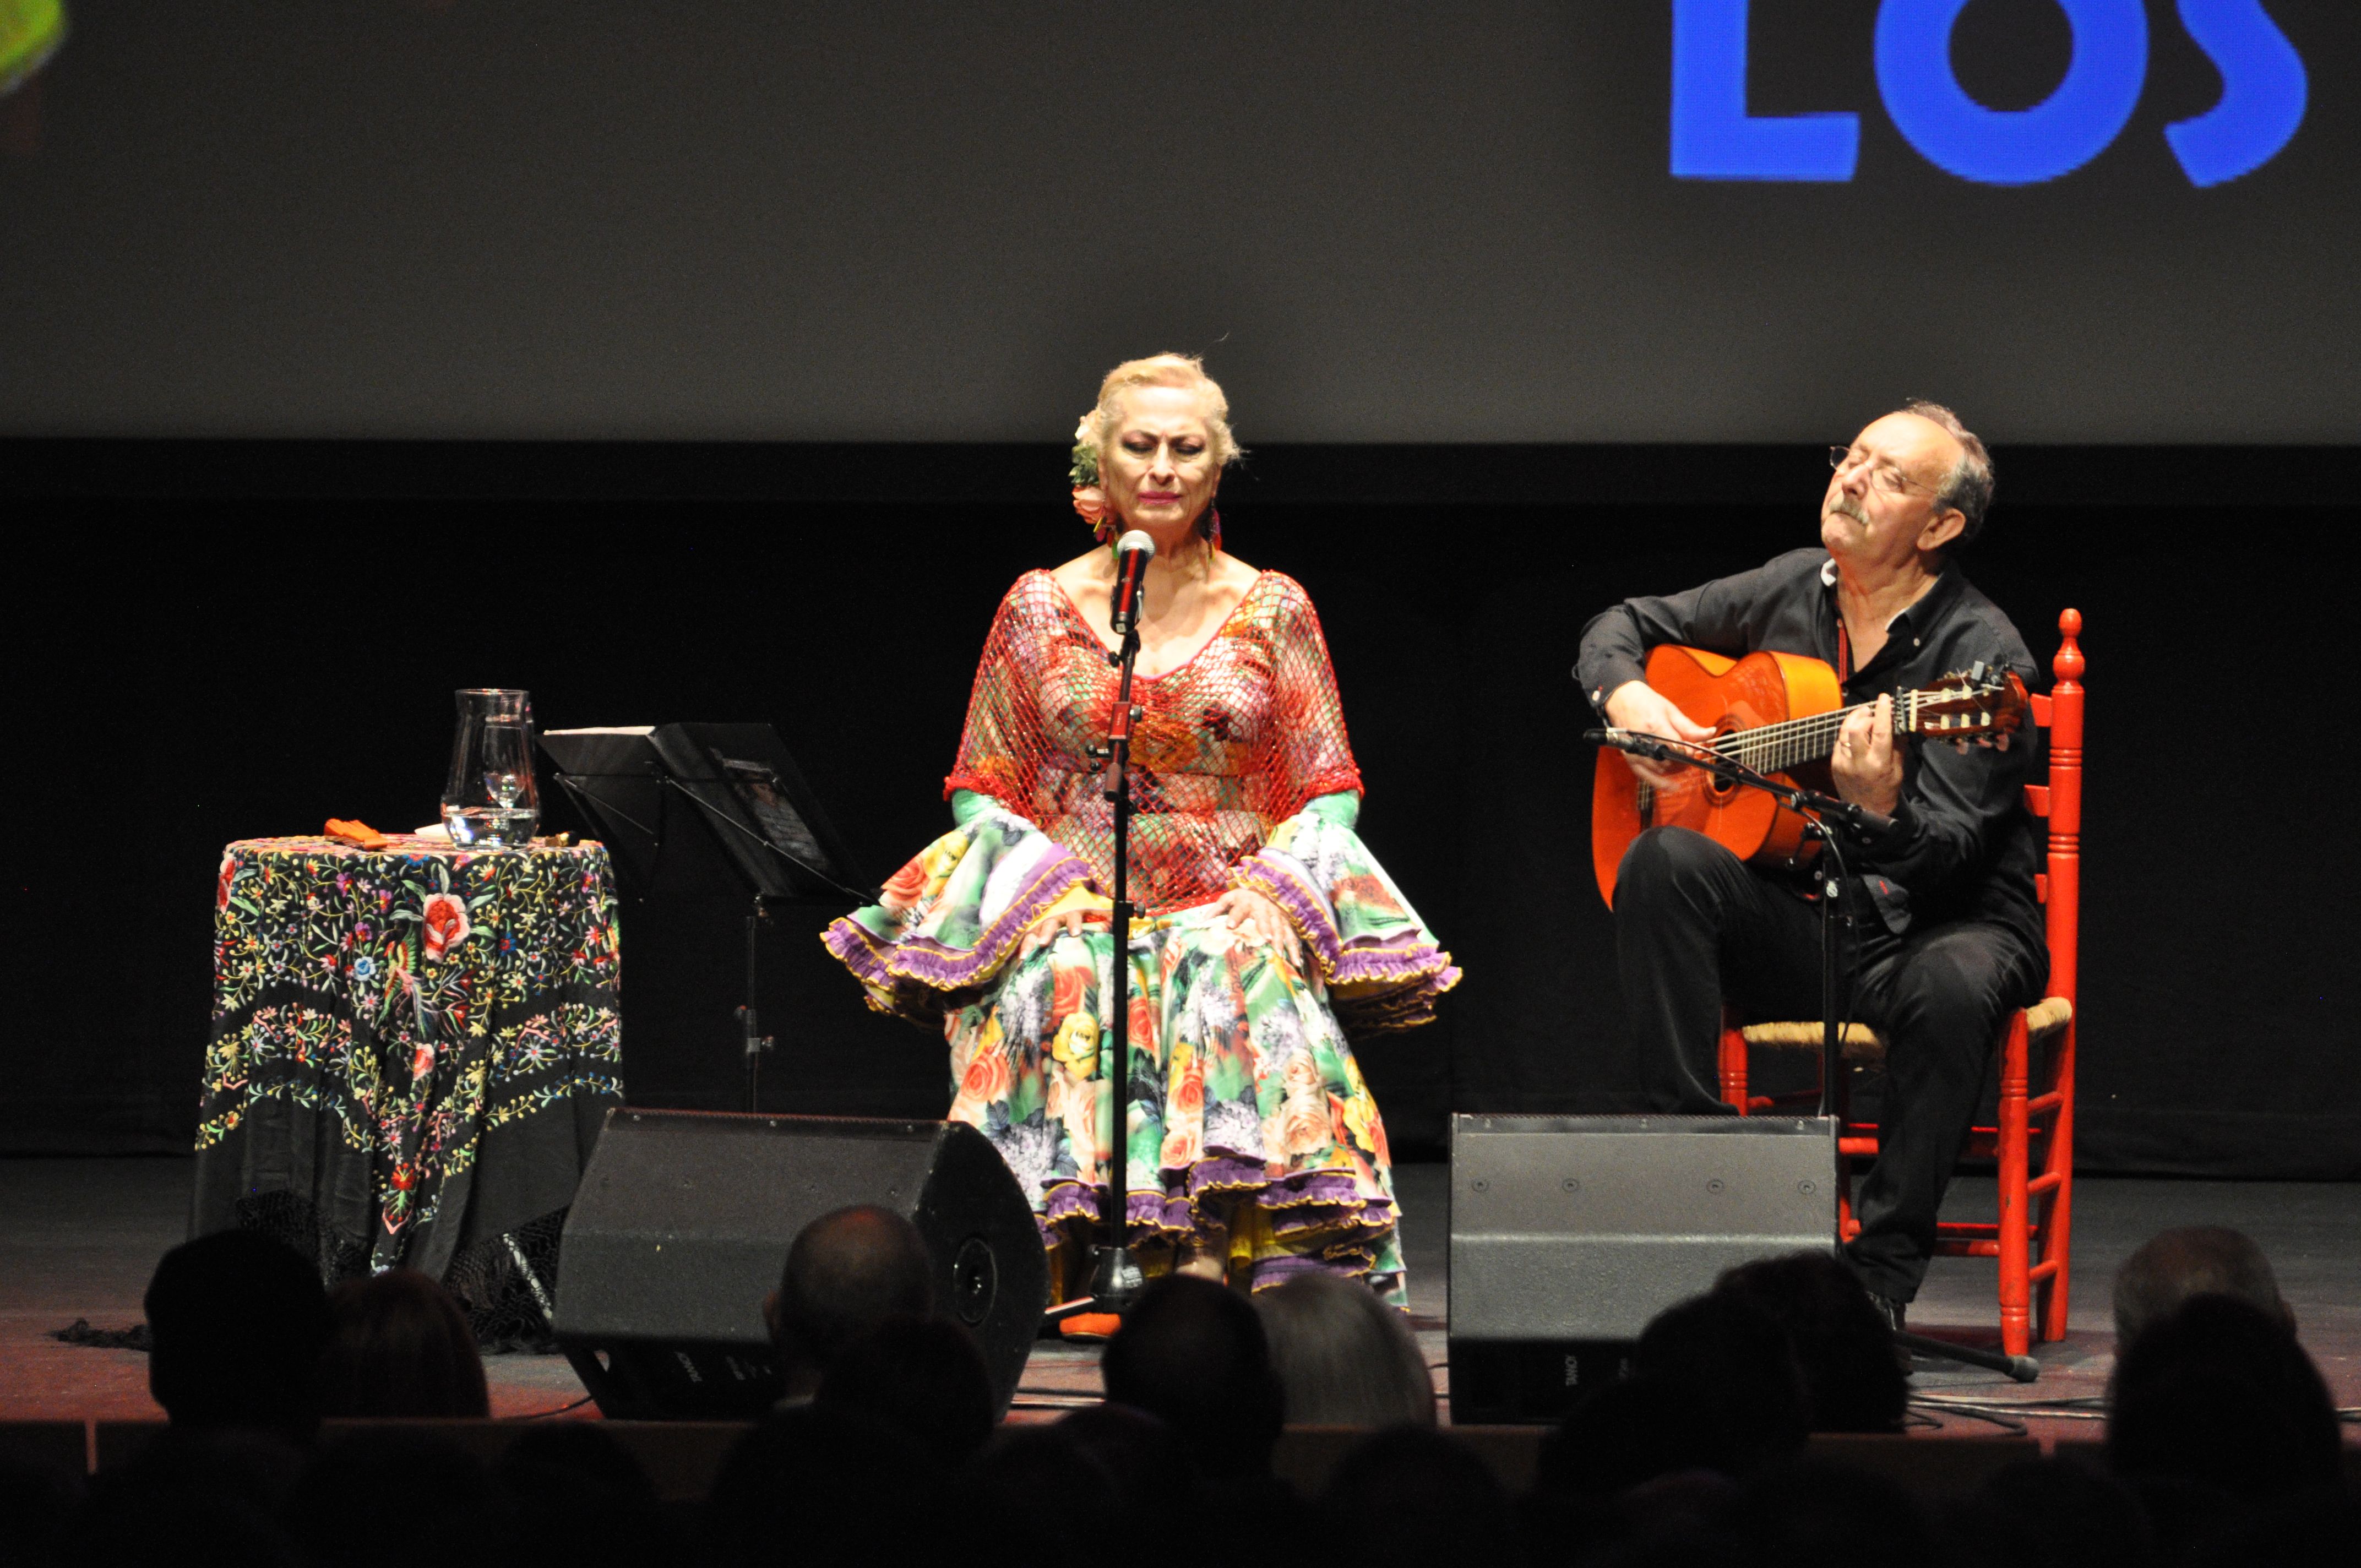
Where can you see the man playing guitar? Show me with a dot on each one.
(1946, 936)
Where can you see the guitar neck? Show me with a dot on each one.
(1773, 748)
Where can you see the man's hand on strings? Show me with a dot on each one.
(1256, 917)
(1636, 706)
(1867, 764)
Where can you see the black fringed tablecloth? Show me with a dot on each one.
(412, 1049)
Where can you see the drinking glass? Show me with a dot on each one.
(491, 798)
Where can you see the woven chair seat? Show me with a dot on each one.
(1861, 1043)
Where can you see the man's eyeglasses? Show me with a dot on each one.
(1883, 475)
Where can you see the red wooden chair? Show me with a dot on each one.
(2031, 1238)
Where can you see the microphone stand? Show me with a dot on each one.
(1819, 810)
(1115, 1279)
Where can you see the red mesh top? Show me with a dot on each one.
(1229, 745)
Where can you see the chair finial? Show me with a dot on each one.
(2067, 665)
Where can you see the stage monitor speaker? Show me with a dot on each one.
(682, 1220)
(1569, 1233)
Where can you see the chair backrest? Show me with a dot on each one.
(2059, 802)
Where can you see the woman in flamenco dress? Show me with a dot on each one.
(1267, 931)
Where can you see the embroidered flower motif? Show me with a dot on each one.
(445, 922)
(221, 885)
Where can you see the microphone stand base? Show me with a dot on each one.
(1115, 1284)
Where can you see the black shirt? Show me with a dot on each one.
(1962, 846)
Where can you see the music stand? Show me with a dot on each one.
(649, 788)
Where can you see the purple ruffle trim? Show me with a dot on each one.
(1353, 1263)
(1398, 981)
(1303, 1205)
(929, 965)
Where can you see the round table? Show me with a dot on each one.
(412, 1050)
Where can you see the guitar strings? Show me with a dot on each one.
(1789, 742)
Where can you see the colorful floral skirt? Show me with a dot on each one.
(1250, 1128)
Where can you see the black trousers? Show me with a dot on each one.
(1694, 926)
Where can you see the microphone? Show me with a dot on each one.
(1634, 741)
(1133, 551)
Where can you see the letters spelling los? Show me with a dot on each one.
(2265, 90)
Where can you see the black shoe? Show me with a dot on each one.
(1893, 1313)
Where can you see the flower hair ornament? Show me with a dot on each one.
(1090, 497)
(1090, 494)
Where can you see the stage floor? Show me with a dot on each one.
(78, 1239)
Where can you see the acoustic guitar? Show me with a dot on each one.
(1779, 714)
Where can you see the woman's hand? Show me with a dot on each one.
(1047, 929)
(1256, 917)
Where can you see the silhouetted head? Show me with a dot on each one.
(847, 1272)
(36, 1501)
(2219, 1393)
(1842, 1346)
(2192, 1260)
(2087, 1519)
(1192, 1354)
(1735, 1360)
(1810, 1513)
(1344, 1357)
(810, 1486)
(188, 1492)
(1414, 1496)
(238, 1322)
(1623, 1434)
(337, 1514)
(580, 1499)
(1141, 1454)
(922, 1377)
(398, 1345)
(998, 1501)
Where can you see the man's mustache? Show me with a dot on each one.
(1850, 508)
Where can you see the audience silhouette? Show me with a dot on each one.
(1344, 1357)
(238, 1323)
(399, 1345)
(1193, 1354)
(2222, 1445)
(847, 1272)
(2192, 1260)
(923, 1378)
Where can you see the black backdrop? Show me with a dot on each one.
(209, 641)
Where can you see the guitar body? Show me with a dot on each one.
(1725, 694)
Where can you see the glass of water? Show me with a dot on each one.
(490, 799)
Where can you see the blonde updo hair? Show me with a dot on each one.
(1161, 370)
